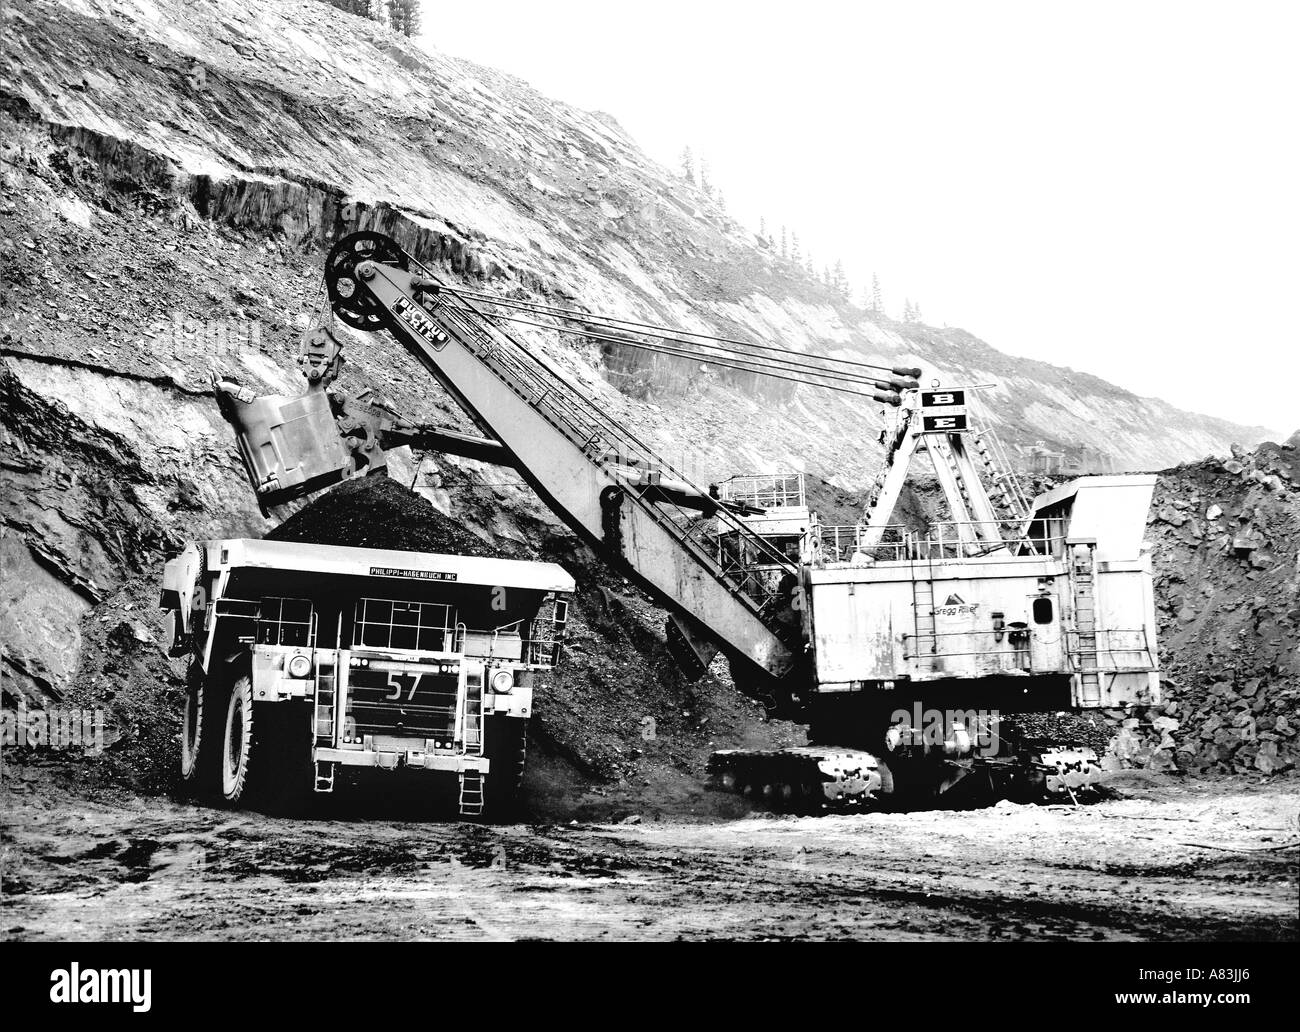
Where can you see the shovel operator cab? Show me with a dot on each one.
(306, 658)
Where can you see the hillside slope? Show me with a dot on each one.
(296, 121)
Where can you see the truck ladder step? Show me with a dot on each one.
(326, 693)
(324, 776)
(471, 793)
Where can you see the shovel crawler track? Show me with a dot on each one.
(1041, 758)
(1059, 752)
(805, 779)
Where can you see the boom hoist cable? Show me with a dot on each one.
(797, 368)
(793, 370)
(577, 315)
(884, 391)
(600, 332)
(797, 360)
(883, 394)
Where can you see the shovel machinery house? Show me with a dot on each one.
(971, 645)
(966, 652)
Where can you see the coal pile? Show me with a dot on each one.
(377, 512)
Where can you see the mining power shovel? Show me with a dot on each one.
(926, 663)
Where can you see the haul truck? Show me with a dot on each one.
(306, 659)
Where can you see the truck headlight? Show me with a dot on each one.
(299, 666)
(503, 681)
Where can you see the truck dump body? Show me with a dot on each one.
(248, 554)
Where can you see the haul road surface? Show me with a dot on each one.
(1164, 861)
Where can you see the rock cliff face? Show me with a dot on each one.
(296, 122)
(171, 172)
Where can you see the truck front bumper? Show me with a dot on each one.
(393, 759)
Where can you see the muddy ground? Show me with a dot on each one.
(1164, 860)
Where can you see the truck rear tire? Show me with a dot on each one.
(266, 759)
(201, 733)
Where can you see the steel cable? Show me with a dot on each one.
(578, 315)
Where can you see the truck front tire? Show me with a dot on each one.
(237, 758)
(266, 759)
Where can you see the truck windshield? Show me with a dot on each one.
(285, 621)
(412, 626)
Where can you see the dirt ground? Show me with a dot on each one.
(1164, 860)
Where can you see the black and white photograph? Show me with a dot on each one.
(716, 471)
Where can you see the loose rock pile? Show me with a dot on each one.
(1225, 537)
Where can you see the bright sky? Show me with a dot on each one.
(1108, 186)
